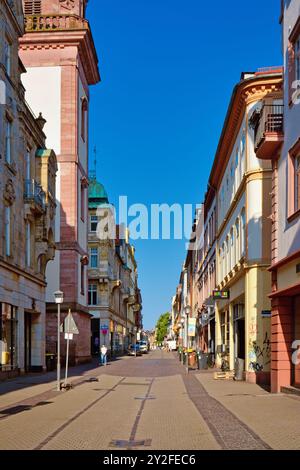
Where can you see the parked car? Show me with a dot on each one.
(143, 346)
(134, 350)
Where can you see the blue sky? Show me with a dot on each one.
(168, 68)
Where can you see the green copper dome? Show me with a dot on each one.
(97, 194)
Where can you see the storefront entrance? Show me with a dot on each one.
(239, 331)
(296, 367)
(27, 340)
(95, 337)
(8, 337)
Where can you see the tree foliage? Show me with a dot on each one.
(162, 327)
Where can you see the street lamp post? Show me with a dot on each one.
(182, 338)
(187, 311)
(135, 331)
(59, 298)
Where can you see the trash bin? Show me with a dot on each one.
(192, 359)
(239, 369)
(50, 362)
(203, 361)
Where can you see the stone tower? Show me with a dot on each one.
(59, 54)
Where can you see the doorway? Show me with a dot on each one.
(95, 337)
(239, 331)
(27, 341)
(296, 367)
(240, 338)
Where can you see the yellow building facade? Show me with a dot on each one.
(243, 186)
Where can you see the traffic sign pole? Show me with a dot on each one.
(68, 344)
(58, 349)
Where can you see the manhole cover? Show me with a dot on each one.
(123, 443)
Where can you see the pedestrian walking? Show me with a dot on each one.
(103, 355)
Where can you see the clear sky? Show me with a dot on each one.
(168, 68)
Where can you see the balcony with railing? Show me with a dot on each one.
(268, 131)
(45, 23)
(34, 196)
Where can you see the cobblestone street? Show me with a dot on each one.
(145, 403)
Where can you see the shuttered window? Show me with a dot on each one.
(33, 7)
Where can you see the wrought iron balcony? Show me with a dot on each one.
(34, 195)
(44, 23)
(269, 131)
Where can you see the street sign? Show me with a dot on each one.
(70, 325)
(192, 327)
(221, 294)
(70, 329)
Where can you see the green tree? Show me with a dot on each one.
(162, 327)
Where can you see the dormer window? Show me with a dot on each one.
(32, 7)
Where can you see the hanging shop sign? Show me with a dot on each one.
(192, 327)
(221, 294)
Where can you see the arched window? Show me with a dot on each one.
(232, 249)
(220, 265)
(224, 260)
(84, 109)
(243, 154)
(237, 240)
(227, 255)
(243, 232)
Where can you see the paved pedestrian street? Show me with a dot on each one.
(146, 402)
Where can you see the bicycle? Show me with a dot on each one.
(225, 365)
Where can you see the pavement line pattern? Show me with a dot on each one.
(227, 429)
(51, 393)
(76, 416)
(139, 414)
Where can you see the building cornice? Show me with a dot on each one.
(245, 92)
(20, 272)
(284, 261)
(81, 39)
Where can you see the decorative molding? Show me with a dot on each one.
(245, 93)
(9, 193)
(67, 4)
